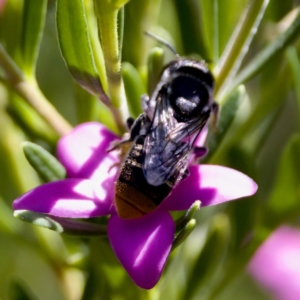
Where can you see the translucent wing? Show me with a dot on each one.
(168, 145)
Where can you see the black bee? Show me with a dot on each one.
(162, 138)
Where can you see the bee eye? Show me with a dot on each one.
(188, 96)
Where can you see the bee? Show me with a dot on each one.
(162, 138)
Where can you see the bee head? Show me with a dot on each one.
(190, 88)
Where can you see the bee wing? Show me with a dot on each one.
(162, 157)
(168, 145)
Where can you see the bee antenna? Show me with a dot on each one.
(162, 41)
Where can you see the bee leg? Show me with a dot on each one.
(137, 127)
(129, 122)
(140, 126)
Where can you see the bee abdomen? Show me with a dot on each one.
(134, 196)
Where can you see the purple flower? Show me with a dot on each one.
(276, 264)
(142, 245)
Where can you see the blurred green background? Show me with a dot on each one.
(261, 139)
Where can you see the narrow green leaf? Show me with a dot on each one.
(268, 53)
(180, 223)
(38, 219)
(134, 88)
(211, 255)
(34, 13)
(76, 47)
(294, 63)
(225, 119)
(11, 27)
(184, 233)
(284, 202)
(155, 66)
(121, 18)
(43, 162)
(239, 43)
(269, 102)
(61, 225)
(209, 20)
(140, 16)
(96, 46)
(30, 121)
(189, 15)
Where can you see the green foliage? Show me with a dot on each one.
(253, 51)
(34, 14)
(134, 88)
(43, 162)
(284, 201)
(75, 45)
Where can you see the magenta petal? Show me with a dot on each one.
(142, 245)
(200, 141)
(276, 263)
(83, 152)
(211, 185)
(70, 198)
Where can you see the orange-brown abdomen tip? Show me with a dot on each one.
(126, 210)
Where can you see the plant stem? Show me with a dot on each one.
(107, 22)
(30, 92)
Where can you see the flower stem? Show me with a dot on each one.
(107, 21)
(30, 92)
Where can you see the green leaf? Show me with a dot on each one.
(134, 88)
(121, 18)
(34, 13)
(268, 53)
(284, 201)
(189, 15)
(155, 66)
(184, 233)
(209, 20)
(11, 27)
(181, 222)
(225, 119)
(140, 16)
(239, 43)
(38, 219)
(211, 255)
(61, 225)
(294, 64)
(75, 45)
(30, 121)
(43, 162)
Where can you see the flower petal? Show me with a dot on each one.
(83, 152)
(70, 198)
(142, 245)
(200, 141)
(211, 185)
(276, 263)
